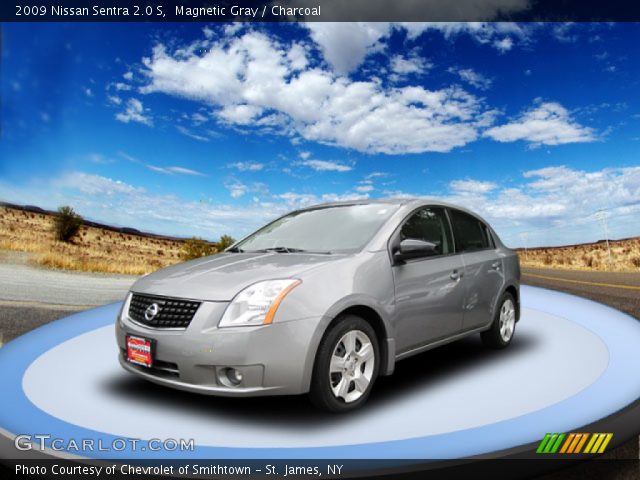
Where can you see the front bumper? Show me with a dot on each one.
(274, 359)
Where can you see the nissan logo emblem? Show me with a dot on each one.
(151, 311)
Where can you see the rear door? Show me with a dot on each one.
(483, 269)
(428, 293)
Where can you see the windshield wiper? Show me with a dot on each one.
(287, 250)
(282, 250)
(235, 250)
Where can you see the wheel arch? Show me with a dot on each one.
(371, 315)
(515, 292)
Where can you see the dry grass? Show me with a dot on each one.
(92, 250)
(625, 256)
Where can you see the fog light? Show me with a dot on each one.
(233, 376)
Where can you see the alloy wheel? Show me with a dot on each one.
(352, 366)
(507, 320)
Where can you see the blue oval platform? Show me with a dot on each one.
(571, 364)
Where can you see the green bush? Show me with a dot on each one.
(225, 242)
(195, 248)
(67, 223)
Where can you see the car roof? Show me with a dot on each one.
(409, 202)
(386, 201)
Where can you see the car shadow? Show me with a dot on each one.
(419, 372)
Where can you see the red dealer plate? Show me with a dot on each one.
(140, 351)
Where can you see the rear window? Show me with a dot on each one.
(471, 234)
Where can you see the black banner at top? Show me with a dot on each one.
(319, 10)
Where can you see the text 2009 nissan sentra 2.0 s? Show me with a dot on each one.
(322, 300)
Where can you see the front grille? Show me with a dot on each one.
(172, 312)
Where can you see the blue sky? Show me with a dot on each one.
(194, 129)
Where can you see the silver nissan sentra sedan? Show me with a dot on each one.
(322, 300)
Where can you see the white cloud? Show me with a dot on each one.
(365, 188)
(121, 86)
(295, 200)
(471, 186)
(95, 185)
(345, 45)
(496, 34)
(185, 131)
(250, 81)
(247, 166)
(548, 123)
(238, 189)
(118, 203)
(88, 92)
(563, 32)
(128, 76)
(372, 175)
(198, 119)
(472, 77)
(555, 205)
(297, 57)
(240, 114)
(165, 170)
(503, 45)
(114, 99)
(325, 166)
(134, 113)
(99, 158)
(175, 170)
(411, 63)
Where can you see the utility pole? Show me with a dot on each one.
(525, 236)
(602, 215)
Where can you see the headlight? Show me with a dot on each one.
(257, 304)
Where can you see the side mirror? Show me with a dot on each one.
(413, 248)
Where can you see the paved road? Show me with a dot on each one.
(619, 290)
(24, 283)
(32, 296)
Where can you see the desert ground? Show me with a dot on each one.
(625, 256)
(93, 249)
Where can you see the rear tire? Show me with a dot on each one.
(504, 324)
(346, 366)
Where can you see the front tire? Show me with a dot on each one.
(346, 366)
(504, 324)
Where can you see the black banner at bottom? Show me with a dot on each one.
(311, 469)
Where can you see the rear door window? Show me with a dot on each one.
(470, 233)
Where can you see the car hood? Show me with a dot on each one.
(221, 277)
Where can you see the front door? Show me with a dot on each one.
(429, 291)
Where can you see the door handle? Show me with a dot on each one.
(495, 266)
(455, 275)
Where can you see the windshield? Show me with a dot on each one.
(337, 229)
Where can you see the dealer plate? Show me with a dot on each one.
(140, 351)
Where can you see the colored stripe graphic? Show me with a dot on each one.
(598, 443)
(573, 443)
(550, 443)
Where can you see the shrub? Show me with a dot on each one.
(195, 248)
(67, 223)
(225, 242)
(635, 261)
